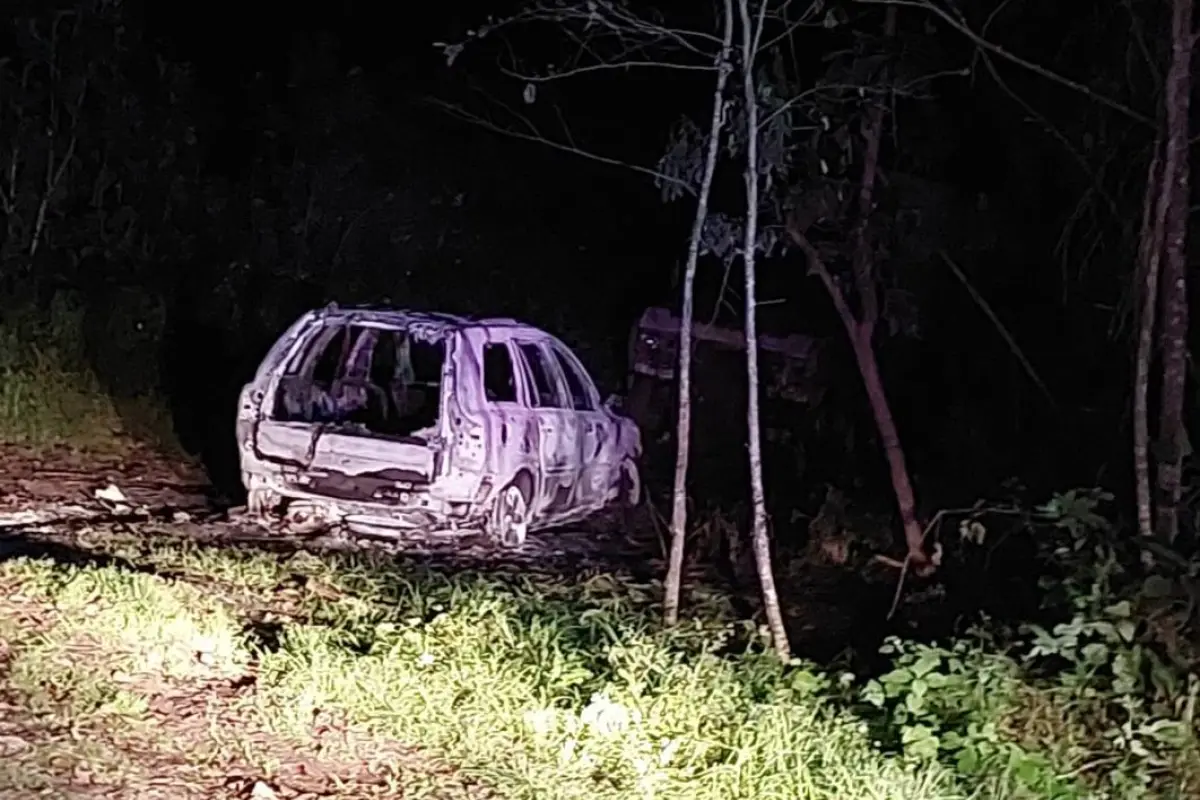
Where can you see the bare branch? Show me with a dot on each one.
(535, 136)
(904, 90)
(982, 43)
(602, 67)
(1015, 348)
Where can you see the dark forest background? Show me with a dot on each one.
(179, 183)
(196, 184)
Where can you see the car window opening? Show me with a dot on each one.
(368, 380)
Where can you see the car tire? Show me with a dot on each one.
(508, 523)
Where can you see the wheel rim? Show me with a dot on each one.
(513, 524)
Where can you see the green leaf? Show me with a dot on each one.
(1157, 587)
(928, 662)
(874, 694)
(968, 760)
(1027, 771)
(920, 742)
(1120, 610)
(1095, 653)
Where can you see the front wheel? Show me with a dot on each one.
(509, 521)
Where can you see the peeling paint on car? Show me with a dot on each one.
(393, 419)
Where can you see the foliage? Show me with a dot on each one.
(1084, 707)
(86, 155)
(49, 394)
(539, 686)
(545, 687)
(811, 166)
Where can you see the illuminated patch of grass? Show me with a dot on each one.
(49, 395)
(105, 629)
(540, 688)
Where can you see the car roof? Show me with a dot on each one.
(402, 317)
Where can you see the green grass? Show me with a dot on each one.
(537, 689)
(541, 687)
(50, 395)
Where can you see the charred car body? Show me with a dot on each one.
(386, 419)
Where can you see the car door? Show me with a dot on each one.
(597, 437)
(558, 430)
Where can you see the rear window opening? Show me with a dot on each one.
(362, 379)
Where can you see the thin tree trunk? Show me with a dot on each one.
(889, 437)
(862, 333)
(671, 588)
(759, 536)
(1175, 195)
(861, 327)
(1149, 255)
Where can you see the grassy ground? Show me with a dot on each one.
(173, 667)
(51, 395)
(133, 666)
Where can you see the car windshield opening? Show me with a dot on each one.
(372, 380)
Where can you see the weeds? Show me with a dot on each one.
(49, 393)
(539, 688)
(1082, 708)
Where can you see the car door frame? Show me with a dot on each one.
(598, 436)
(559, 448)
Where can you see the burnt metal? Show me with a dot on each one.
(391, 418)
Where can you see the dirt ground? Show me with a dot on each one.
(50, 500)
(197, 739)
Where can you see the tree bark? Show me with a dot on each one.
(889, 437)
(862, 333)
(1149, 255)
(759, 535)
(671, 587)
(1175, 196)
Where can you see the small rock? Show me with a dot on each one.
(10, 745)
(180, 517)
(112, 494)
(262, 791)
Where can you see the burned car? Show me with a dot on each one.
(386, 420)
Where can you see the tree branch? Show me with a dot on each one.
(604, 66)
(1037, 69)
(816, 266)
(1009, 339)
(535, 136)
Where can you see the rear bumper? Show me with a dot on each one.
(400, 509)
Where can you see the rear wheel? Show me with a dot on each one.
(509, 521)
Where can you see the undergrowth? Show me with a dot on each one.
(1097, 704)
(50, 394)
(548, 688)
(540, 688)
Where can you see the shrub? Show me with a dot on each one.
(50, 394)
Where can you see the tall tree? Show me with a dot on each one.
(861, 325)
(684, 424)
(1173, 203)
(1149, 257)
(751, 41)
